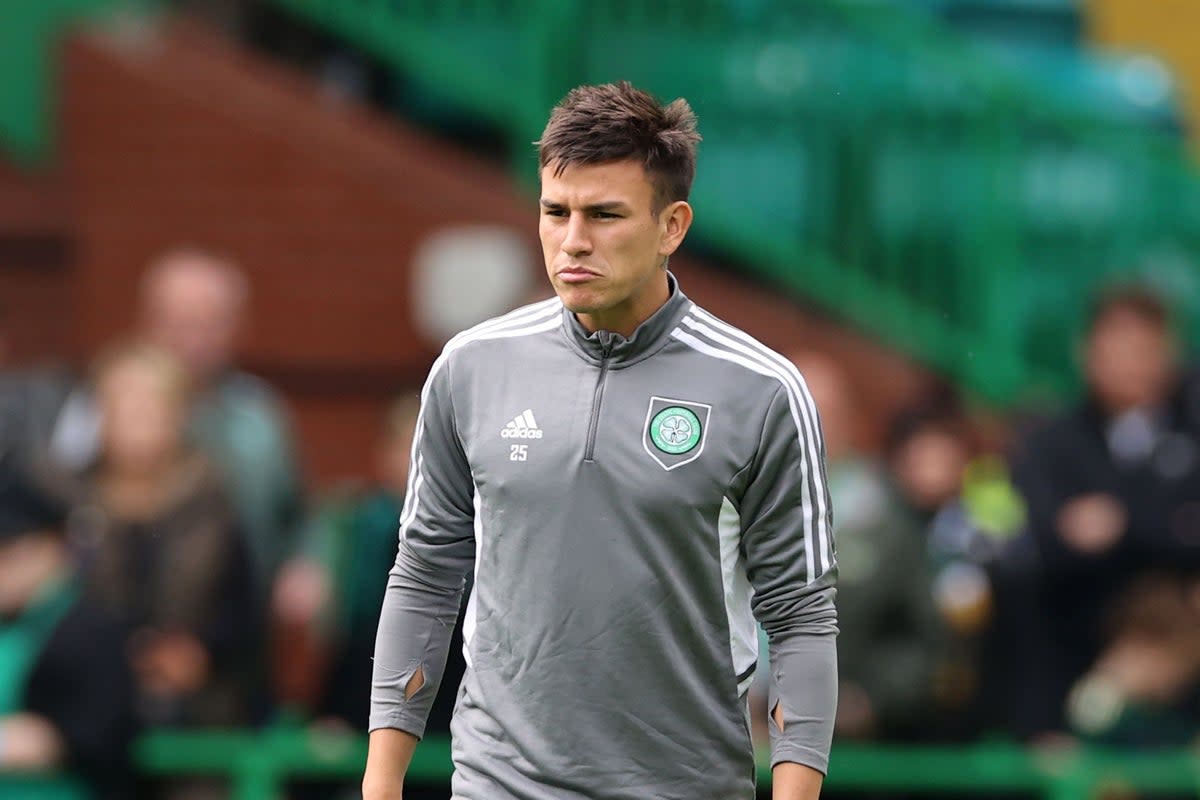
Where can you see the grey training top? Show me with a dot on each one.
(625, 504)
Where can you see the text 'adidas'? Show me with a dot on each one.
(523, 426)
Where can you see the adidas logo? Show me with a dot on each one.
(523, 426)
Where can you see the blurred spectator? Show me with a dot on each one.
(968, 536)
(193, 306)
(927, 454)
(1112, 487)
(887, 644)
(981, 590)
(161, 547)
(337, 587)
(1144, 689)
(65, 689)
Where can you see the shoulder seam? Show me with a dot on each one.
(525, 321)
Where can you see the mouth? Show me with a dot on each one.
(576, 274)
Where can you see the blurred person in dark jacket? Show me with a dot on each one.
(1112, 488)
(66, 699)
(161, 548)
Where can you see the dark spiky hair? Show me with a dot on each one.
(617, 122)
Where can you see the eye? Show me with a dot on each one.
(606, 215)
(554, 212)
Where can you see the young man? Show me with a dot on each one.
(628, 477)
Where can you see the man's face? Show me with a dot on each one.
(603, 244)
(929, 467)
(1129, 361)
(194, 313)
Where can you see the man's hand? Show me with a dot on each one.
(301, 592)
(388, 756)
(1146, 671)
(1092, 523)
(171, 663)
(29, 742)
(790, 781)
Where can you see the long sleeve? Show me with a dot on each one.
(789, 554)
(436, 551)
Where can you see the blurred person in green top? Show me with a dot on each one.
(335, 589)
(887, 647)
(66, 697)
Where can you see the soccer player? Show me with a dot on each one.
(632, 481)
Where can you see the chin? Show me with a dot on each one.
(578, 300)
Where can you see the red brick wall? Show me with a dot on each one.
(35, 267)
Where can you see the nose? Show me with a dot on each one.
(577, 242)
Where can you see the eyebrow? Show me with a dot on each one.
(611, 205)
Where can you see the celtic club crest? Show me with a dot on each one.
(675, 431)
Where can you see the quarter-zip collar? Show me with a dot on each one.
(618, 351)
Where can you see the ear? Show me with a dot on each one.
(674, 221)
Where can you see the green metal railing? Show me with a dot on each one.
(256, 765)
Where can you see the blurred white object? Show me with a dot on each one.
(1146, 80)
(464, 275)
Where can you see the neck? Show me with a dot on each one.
(1114, 408)
(625, 318)
(136, 493)
(147, 473)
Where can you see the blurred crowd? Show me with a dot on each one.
(1043, 583)
(162, 565)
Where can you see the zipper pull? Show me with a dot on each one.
(606, 343)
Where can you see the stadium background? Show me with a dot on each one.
(926, 192)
